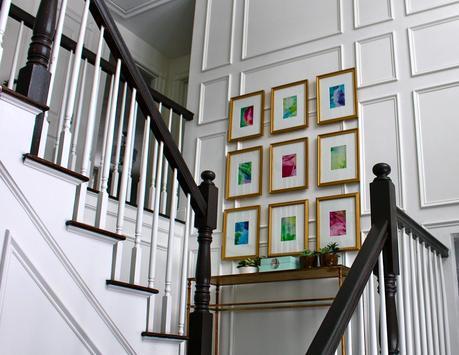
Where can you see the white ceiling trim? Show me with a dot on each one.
(136, 10)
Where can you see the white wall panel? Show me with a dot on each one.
(370, 12)
(376, 60)
(218, 34)
(413, 6)
(303, 67)
(380, 137)
(300, 23)
(213, 100)
(432, 46)
(437, 144)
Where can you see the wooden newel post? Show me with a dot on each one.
(384, 208)
(34, 78)
(201, 319)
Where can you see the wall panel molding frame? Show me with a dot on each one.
(225, 54)
(12, 250)
(411, 9)
(218, 110)
(430, 46)
(362, 8)
(267, 36)
(369, 54)
(437, 164)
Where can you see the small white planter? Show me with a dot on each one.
(248, 269)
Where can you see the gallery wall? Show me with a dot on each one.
(407, 65)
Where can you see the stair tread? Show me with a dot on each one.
(132, 286)
(55, 167)
(165, 336)
(93, 229)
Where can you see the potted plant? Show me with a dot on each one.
(307, 259)
(330, 255)
(248, 266)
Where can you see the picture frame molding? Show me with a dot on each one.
(225, 226)
(306, 107)
(305, 202)
(355, 114)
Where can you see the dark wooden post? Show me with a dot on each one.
(384, 208)
(34, 78)
(201, 319)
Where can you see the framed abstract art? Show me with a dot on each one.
(288, 163)
(246, 116)
(289, 107)
(338, 157)
(338, 220)
(288, 228)
(336, 96)
(244, 173)
(241, 233)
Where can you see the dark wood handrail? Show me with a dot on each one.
(335, 323)
(420, 232)
(69, 44)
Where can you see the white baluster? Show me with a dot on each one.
(167, 298)
(105, 134)
(154, 238)
(165, 172)
(80, 200)
(415, 301)
(136, 262)
(52, 69)
(131, 161)
(126, 162)
(372, 317)
(4, 12)
(439, 303)
(405, 285)
(102, 202)
(400, 291)
(60, 122)
(77, 119)
(445, 309)
(433, 302)
(14, 66)
(184, 272)
(361, 325)
(427, 305)
(119, 142)
(383, 311)
(151, 193)
(65, 140)
(422, 304)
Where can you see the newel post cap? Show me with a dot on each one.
(382, 171)
(208, 176)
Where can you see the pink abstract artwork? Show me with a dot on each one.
(337, 223)
(288, 165)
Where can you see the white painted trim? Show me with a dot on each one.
(356, 15)
(51, 172)
(92, 235)
(11, 248)
(136, 10)
(409, 11)
(61, 256)
(202, 92)
(13, 100)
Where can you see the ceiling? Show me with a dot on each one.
(167, 25)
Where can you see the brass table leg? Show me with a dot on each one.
(188, 307)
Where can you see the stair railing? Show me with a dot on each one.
(406, 262)
(76, 150)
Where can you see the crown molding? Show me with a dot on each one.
(136, 10)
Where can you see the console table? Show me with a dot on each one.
(338, 272)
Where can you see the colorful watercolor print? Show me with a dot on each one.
(241, 233)
(288, 165)
(337, 223)
(288, 228)
(244, 174)
(338, 157)
(289, 107)
(246, 116)
(337, 97)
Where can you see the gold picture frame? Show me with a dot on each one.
(320, 158)
(229, 158)
(347, 115)
(225, 247)
(322, 240)
(250, 98)
(273, 110)
(305, 155)
(305, 220)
